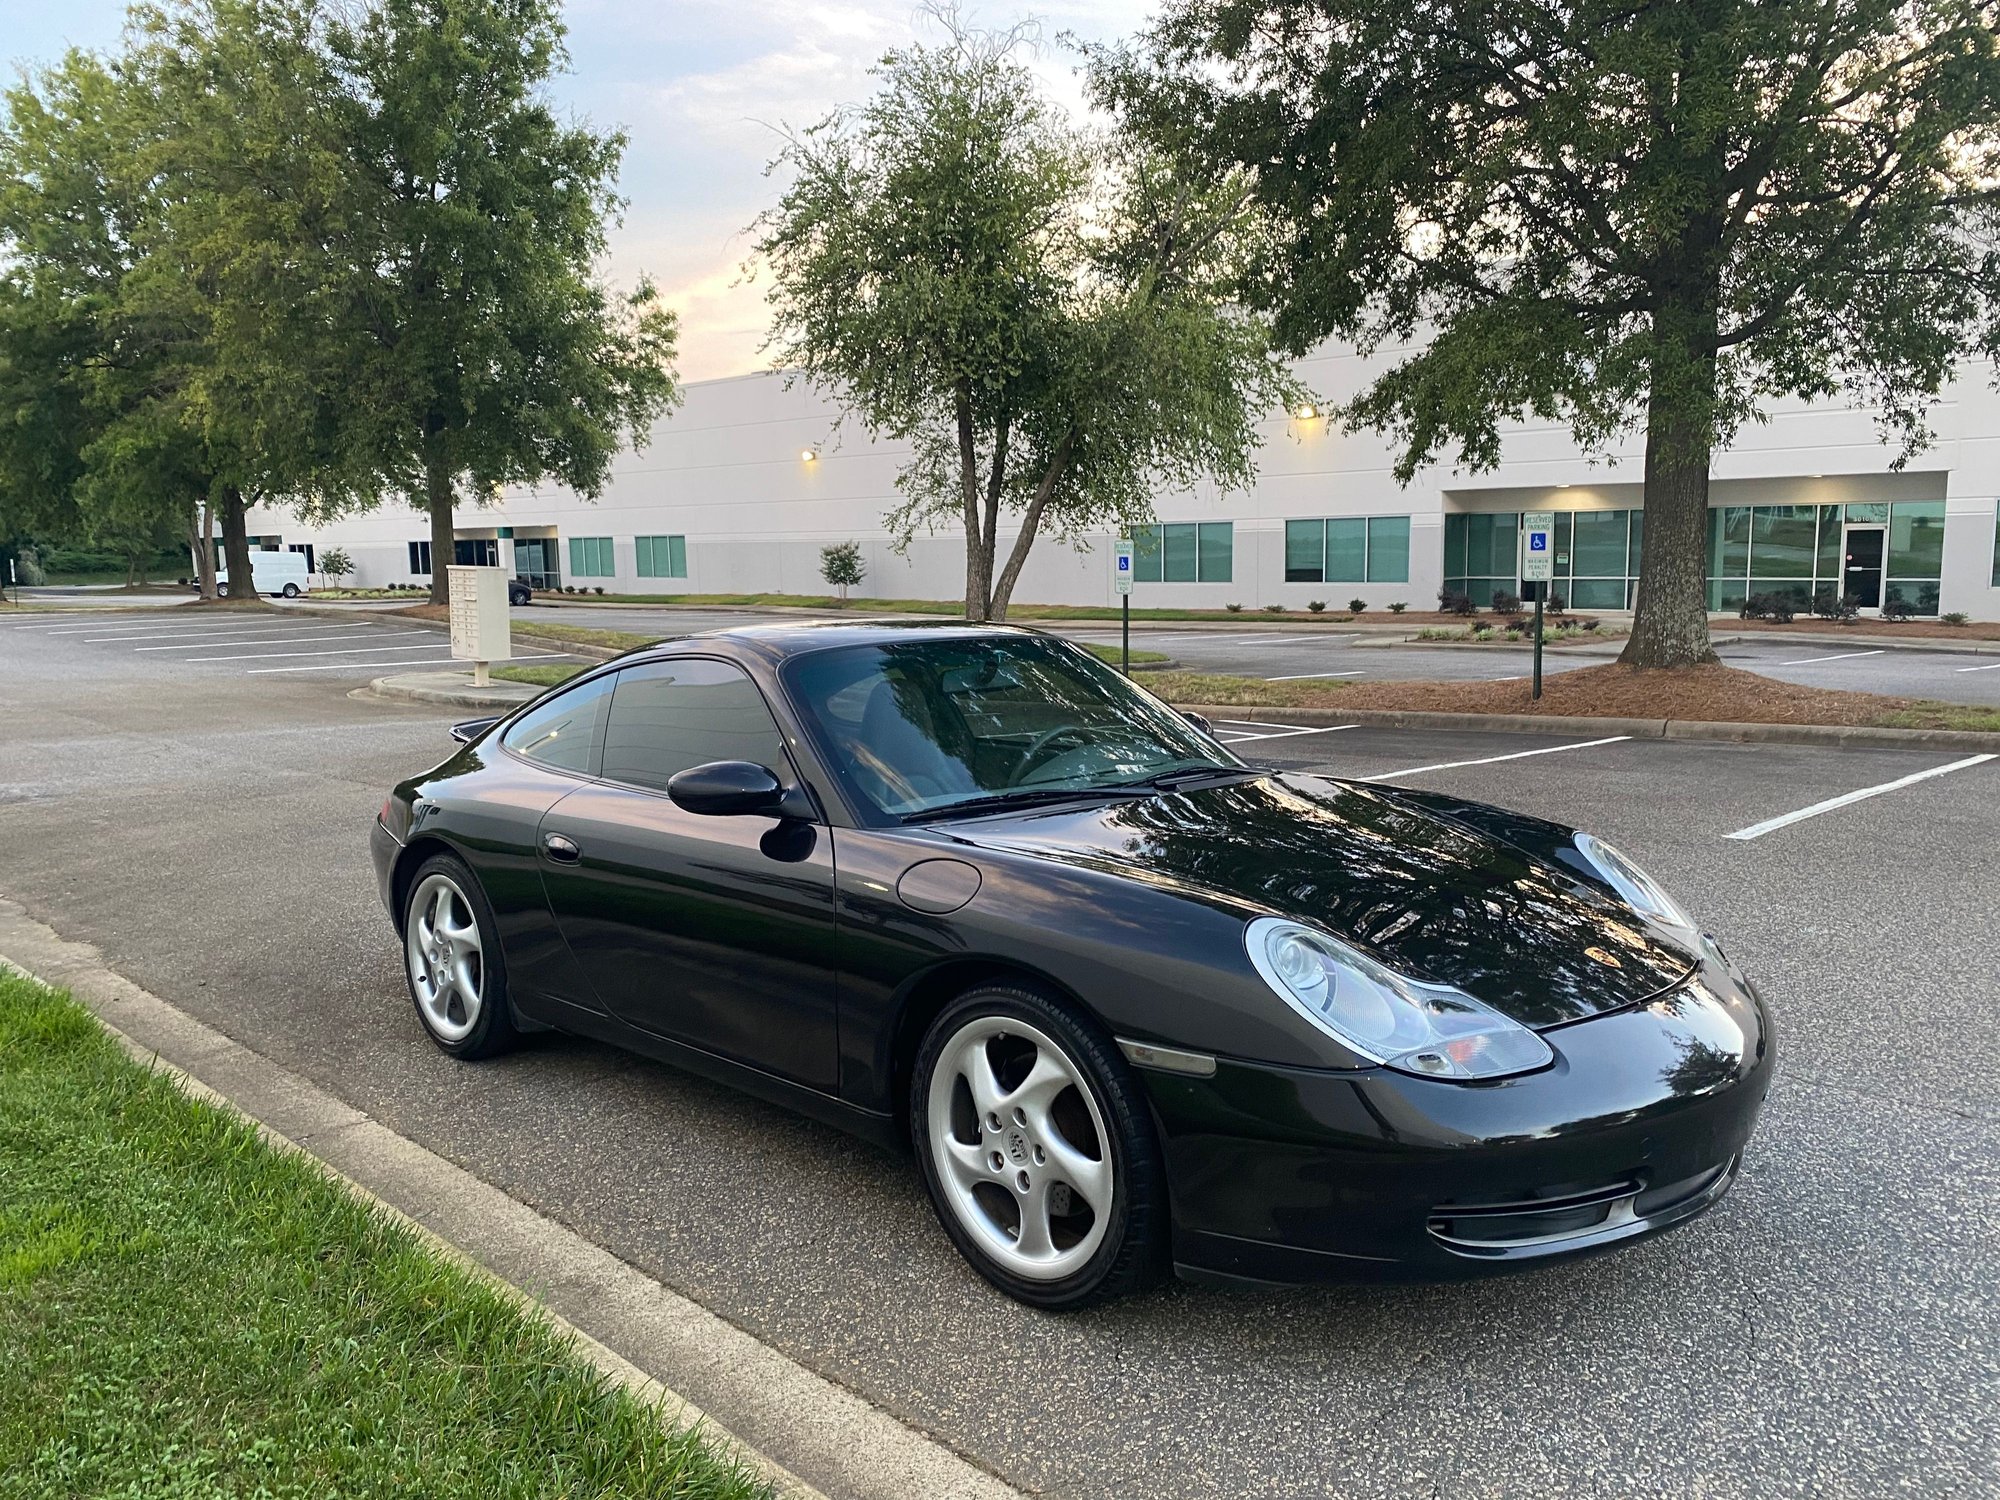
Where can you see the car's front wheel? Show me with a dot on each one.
(1038, 1149)
(452, 960)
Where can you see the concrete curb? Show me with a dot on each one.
(442, 688)
(1844, 736)
(784, 1420)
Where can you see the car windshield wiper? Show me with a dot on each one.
(1008, 801)
(1179, 776)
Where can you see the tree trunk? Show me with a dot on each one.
(236, 544)
(444, 535)
(1031, 523)
(1670, 625)
(203, 546)
(978, 561)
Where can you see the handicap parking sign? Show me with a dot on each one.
(1538, 541)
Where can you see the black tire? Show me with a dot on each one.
(291, 591)
(492, 1030)
(1133, 1252)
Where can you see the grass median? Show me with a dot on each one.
(187, 1312)
(624, 640)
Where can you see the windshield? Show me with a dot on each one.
(916, 727)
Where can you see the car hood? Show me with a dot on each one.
(1428, 893)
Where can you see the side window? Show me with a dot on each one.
(562, 733)
(670, 715)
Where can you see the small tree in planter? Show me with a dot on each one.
(336, 565)
(1356, 606)
(841, 566)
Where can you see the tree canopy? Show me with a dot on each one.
(1621, 217)
(1041, 312)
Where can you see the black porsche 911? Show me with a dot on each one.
(1134, 1003)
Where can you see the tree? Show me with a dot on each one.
(841, 566)
(1040, 313)
(1617, 216)
(336, 564)
(480, 350)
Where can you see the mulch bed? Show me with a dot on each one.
(1975, 630)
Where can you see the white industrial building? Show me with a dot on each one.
(742, 486)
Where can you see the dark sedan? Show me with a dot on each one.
(1134, 1003)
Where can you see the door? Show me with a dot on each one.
(1862, 574)
(712, 931)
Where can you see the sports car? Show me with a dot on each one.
(1135, 1005)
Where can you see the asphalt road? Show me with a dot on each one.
(1832, 1328)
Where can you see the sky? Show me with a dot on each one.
(699, 87)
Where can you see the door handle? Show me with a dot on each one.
(560, 849)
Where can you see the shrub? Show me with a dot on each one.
(1956, 617)
(597, 589)
(1586, 625)
(1557, 604)
(1512, 635)
(1896, 607)
(1505, 603)
(1317, 606)
(1440, 633)
(1452, 602)
(1482, 632)
(840, 564)
(1274, 609)
(1827, 604)
(1398, 607)
(1234, 609)
(1356, 606)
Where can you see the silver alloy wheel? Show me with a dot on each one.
(1034, 1196)
(447, 965)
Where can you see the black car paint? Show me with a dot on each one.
(785, 957)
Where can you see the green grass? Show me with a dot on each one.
(1926, 714)
(948, 607)
(539, 676)
(1242, 692)
(625, 640)
(186, 1313)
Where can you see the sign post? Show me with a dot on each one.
(1121, 579)
(480, 630)
(1538, 566)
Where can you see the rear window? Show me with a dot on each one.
(562, 732)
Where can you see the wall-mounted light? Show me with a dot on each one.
(808, 455)
(1306, 412)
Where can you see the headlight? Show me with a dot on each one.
(1641, 892)
(1428, 1029)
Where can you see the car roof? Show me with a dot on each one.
(777, 642)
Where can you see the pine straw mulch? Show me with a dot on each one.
(1712, 693)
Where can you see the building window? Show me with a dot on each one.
(420, 558)
(1348, 549)
(590, 557)
(1184, 552)
(307, 549)
(662, 556)
(1799, 550)
(476, 552)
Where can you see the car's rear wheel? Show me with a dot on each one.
(291, 591)
(1038, 1149)
(452, 961)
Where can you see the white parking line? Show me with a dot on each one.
(1253, 724)
(1806, 661)
(1302, 676)
(430, 645)
(426, 662)
(1989, 667)
(1452, 765)
(197, 633)
(1288, 734)
(344, 634)
(1771, 825)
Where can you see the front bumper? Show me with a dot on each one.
(1284, 1175)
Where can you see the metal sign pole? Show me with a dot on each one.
(1125, 632)
(1540, 589)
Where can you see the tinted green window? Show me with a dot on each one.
(1827, 563)
(1146, 550)
(1178, 563)
(1599, 547)
(1454, 545)
(1490, 545)
(590, 557)
(1216, 545)
(1305, 551)
(1595, 593)
(1638, 542)
(1347, 550)
(1388, 549)
(1729, 542)
(661, 556)
(1783, 541)
(1916, 540)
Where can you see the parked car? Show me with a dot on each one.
(518, 592)
(274, 573)
(1132, 1002)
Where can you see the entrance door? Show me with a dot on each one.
(1863, 569)
(535, 562)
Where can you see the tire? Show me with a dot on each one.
(291, 591)
(472, 1026)
(1092, 1235)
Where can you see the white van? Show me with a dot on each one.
(273, 573)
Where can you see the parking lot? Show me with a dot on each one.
(197, 805)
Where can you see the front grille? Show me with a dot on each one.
(1573, 1220)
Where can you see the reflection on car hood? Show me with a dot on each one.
(1429, 894)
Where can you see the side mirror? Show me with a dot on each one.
(729, 788)
(465, 731)
(1200, 722)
